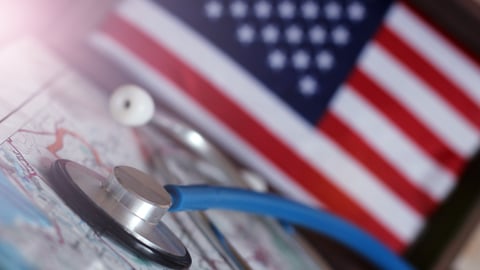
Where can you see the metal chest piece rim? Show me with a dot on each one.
(126, 207)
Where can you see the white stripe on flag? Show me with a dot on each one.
(393, 145)
(295, 132)
(453, 63)
(432, 110)
(191, 110)
(368, 191)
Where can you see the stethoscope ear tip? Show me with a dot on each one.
(131, 105)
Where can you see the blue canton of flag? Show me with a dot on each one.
(362, 107)
(301, 50)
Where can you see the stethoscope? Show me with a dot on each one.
(128, 205)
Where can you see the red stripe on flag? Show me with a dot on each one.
(233, 116)
(451, 93)
(356, 146)
(424, 138)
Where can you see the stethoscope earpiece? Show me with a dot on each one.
(131, 105)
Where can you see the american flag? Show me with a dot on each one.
(362, 107)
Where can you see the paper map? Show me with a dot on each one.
(48, 112)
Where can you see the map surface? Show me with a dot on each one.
(48, 112)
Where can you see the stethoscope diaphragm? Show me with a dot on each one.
(125, 207)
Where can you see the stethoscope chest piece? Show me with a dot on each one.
(126, 207)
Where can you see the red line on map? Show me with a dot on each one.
(58, 144)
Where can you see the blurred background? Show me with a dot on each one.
(370, 109)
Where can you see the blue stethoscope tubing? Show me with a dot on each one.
(203, 197)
